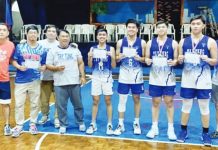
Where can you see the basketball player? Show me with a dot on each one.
(198, 52)
(101, 58)
(162, 53)
(130, 53)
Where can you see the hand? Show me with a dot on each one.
(137, 57)
(42, 68)
(148, 61)
(181, 58)
(204, 58)
(171, 62)
(60, 68)
(121, 56)
(82, 80)
(22, 68)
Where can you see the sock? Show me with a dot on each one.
(184, 127)
(121, 121)
(136, 120)
(154, 125)
(205, 130)
(170, 125)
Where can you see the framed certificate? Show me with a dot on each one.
(192, 58)
(32, 64)
(97, 53)
(129, 52)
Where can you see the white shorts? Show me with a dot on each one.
(99, 87)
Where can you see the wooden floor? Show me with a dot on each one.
(65, 142)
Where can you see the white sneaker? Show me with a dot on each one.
(33, 129)
(82, 127)
(56, 123)
(109, 130)
(7, 130)
(17, 131)
(62, 130)
(137, 129)
(119, 129)
(171, 134)
(92, 128)
(152, 133)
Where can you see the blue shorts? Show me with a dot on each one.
(158, 91)
(190, 93)
(135, 88)
(5, 93)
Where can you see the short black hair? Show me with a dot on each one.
(202, 18)
(51, 26)
(32, 27)
(162, 22)
(63, 30)
(5, 24)
(101, 29)
(133, 21)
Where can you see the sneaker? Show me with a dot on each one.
(44, 119)
(17, 131)
(7, 130)
(119, 129)
(182, 136)
(171, 134)
(109, 130)
(206, 139)
(82, 127)
(137, 129)
(33, 129)
(92, 128)
(62, 130)
(152, 133)
(56, 123)
(214, 135)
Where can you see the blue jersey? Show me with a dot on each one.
(101, 68)
(130, 69)
(161, 74)
(196, 75)
(24, 53)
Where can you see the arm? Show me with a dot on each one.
(137, 57)
(81, 70)
(50, 63)
(181, 56)
(113, 58)
(90, 57)
(19, 67)
(119, 55)
(212, 46)
(148, 61)
(175, 54)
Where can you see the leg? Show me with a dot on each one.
(205, 112)
(6, 113)
(109, 108)
(137, 105)
(61, 100)
(96, 100)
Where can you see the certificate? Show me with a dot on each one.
(159, 61)
(102, 54)
(129, 52)
(192, 58)
(32, 64)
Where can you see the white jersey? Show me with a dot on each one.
(47, 75)
(65, 57)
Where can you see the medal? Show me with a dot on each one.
(160, 47)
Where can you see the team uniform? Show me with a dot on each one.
(102, 80)
(161, 77)
(196, 75)
(6, 51)
(131, 72)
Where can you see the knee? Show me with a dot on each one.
(169, 104)
(155, 103)
(187, 105)
(204, 107)
(108, 101)
(95, 102)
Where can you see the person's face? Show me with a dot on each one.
(102, 37)
(51, 33)
(197, 26)
(64, 39)
(3, 32)
(32, 35)
(162, 29)
(132, 29)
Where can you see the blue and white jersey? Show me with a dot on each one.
(101, 67)
(161, 74)
(130, 69)
(215, 73)
(27, 56)
(196, 73)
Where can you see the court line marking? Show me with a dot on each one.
(38, 144)
(121, 138)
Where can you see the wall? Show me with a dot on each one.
(119, 12)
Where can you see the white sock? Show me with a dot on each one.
(170, 125)
(94, 123)
(136, 120)
(154, 125)
(121, 121)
